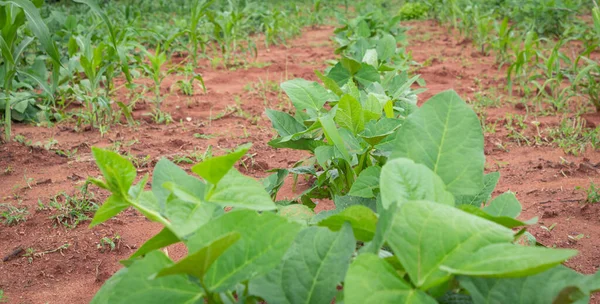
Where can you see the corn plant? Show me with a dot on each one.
(153, 65)
(587, 81)
(14, 15)
(526, 57)
(198, 12)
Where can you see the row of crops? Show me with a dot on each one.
(76, 54)
(546, 44)
(415, 221)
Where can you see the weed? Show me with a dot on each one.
(592, 194)
(109, 243)
(70, 211)
(11, 215)
(573, 137)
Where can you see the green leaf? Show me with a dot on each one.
(265, 238)
(419, 237)
(445, 135)
(509, 260)
(213, 169)
(197, 264)
(186, 217)
(118, 171)
(333, 136)
(367, 75)
(403, 180)
(306, 94)
(366, 183)
(237, 190)
(284, 123)
(547, 287)
(506, 204)
(372, 280)
(311, 270)
(133, 284)
(386, 47)
(370, 58)
(330, 83)
(349, 114)
(297, 212)
(166, 173)
(376, 131)
(490, 181)
(362, 219)
(163, 239)
(305, 144)
(339, 74)
(505, 221)
(372, 109)
(38, 27)
(111, 207)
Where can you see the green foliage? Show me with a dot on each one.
(410, 242)
(592, 194)
(11, 215)
(413, 11)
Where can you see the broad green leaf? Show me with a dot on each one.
(311, 270)
(352, 89)
(339, 74)
(186, 217)
(509, 260)
(419, 236)
(297, 212)
(370, 58)
(305, 144)
(366, 183)
(330, 83)
(376, 131)
(372, 280)
(343, 202)
(165, 172)
(284, 123)
(552, 286)
(386, 47)
(506, 204)
(197, 264)
(265, 238)
(505, 221)
(384, 224)
(367, 75)
(372, 108)
(118, 172)
(133, 284)
(163, 239)
(362, 219)
(306, 94)
(333, 136)
(213, 169)
(111, 207)
(490, 181)
(404, 180)
(237, 190)
(445, 135)
(349, 114)
(351, 65)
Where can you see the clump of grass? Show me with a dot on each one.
(573, 137)
(592, 194)
(70, 211)
(11, 215)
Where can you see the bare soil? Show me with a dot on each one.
(231, 113)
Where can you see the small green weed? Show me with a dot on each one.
(109, 243)
(11, 215)
(573, 137)
(592, 194)
(70, 211)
